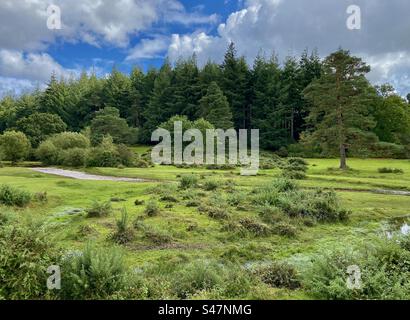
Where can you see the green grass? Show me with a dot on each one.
(197, 236)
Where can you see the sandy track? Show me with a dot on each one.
(83, 176)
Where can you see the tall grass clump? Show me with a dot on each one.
(99, 209)
(188, 181)
(10, 196)
(124, 233)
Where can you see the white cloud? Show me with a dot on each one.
(24, 22)
(149, 49)
(31, 66)
(289, 26)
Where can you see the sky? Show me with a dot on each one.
(96, 35)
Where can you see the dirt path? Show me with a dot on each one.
(83, 176)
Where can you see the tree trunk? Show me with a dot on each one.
(343, 165)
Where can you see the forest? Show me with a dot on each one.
(305, 106)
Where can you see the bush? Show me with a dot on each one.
(41, 197)
(384, 267)
(139, 202)
(152, 209)
(47, 153)
(188, 181)
(271, 214)
(390, 170)
(93, 274)
(10, 196)
(14, 146)
(211, 185)
(197, 277)
(215, 211)
(126, 156)
(69, 140)
(105, 155)
(285, 229)
(99, 209)
(25, 255)
(254, 227)
(75, 157)
(278, 275)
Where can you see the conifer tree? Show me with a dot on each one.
(215, 108)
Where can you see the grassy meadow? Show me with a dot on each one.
(178, 232)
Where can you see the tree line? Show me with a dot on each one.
(306, 105)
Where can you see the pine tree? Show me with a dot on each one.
(234, 84)
(159, 108)
(134, 113)
(215, 108)
(186, 89)
(340, 105)
(265, 101)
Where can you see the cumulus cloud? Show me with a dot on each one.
(32, 66)
(24, 22)
(149, 48)
(288, 27)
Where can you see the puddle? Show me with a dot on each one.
(398, 226)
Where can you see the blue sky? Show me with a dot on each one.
(97, 34)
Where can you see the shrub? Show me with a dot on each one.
(99, 209)
(14, 146)
(278, 275)
(256, 228)
(384, 267)
(212, 279)
(390, 170)
(75, 157)
(285, 229)
(105, 155)
(10, 196)
(123, 234)
(48, 153)
(158, 237)
(214, 211)
(237, 198)
(126, 156)
(152, 209)
(211, 185)
(25, 255)
(93, 274)
(188, 181)
(271, 214)
(69, 140)
(294, 174)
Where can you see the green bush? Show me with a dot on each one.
(212, 279)
(25, 255)
(75, 157)
(10, 196)
(285, 229)
(93, 274)
(48, 153)
(14, 146)
(126, 156)
(254, 227)
(70, 140)
(99, 209)
(211, 185)
(152, 209)
(278, 275)
(384, 267)
(188, 181)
